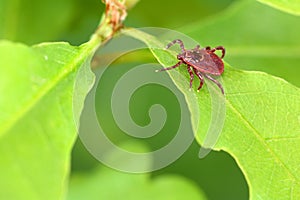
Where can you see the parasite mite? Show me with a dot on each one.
(203, 61)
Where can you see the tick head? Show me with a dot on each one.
(180, 56)
(197, 55)
(193, 56)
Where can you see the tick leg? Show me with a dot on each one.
(218, 48)
(200, 78)
(189, 68)
(168, 68)
(174, 42)
(215, 81)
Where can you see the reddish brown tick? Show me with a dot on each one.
(204, 62)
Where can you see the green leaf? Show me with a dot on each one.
(256, 37)
(37, 128)
(290, 6)
(107, 183)
(262, 126)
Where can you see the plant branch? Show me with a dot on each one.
(111, 21)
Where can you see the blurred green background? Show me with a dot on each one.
(217, 175)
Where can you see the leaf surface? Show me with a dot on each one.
(262, 126)
(37, 126)
(290, 6)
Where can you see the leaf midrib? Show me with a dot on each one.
(51, 84)
(243, 119)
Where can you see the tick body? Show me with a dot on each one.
(203, 62)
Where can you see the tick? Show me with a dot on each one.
(203, 61)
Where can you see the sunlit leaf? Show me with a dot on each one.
(290, 6)
(37, 127)
(261, 130)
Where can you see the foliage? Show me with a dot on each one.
(38, 123)
(248, 136)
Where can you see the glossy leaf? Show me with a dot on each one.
(261, 130)
(290, 6)
(37, 128)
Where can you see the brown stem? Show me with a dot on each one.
(112, 20)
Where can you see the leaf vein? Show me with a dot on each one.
(263, 142)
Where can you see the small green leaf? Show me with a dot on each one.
(262, 126)
(290, 6)
(37, 128)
